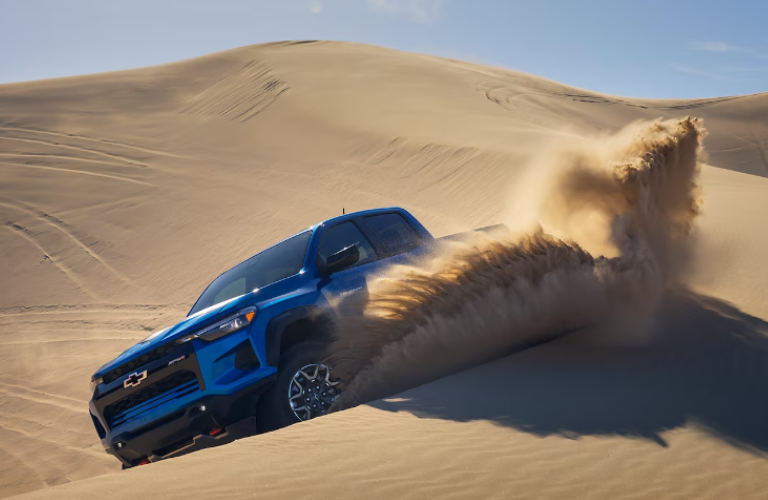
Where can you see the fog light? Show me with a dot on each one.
(202, 408)
(118, 446)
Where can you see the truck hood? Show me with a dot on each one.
(208, 316)
(187, 325)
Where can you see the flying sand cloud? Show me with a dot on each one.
(633, 194)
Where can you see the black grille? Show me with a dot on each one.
(132, 365)
(141, 396)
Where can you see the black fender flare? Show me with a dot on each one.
(278, 325)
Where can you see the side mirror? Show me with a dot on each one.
(344, 258)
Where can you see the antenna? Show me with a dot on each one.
(343, 211)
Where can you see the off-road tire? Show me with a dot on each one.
(274, 409)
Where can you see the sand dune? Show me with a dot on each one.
(123, 194)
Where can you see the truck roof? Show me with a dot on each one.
(338, 218)
(361, 213)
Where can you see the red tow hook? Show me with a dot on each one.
(215, 431)
(144, 462)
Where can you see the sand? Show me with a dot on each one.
(123, 194)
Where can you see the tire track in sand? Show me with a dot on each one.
(19, 392)
(60, 157)
(41, 393)
(29, 435)
(91, 309)
(58, 224)
(67, 341)
(22, 231)
(102, 205)
(56, 169)
(91, 139)
(89, 323)
(122, 158)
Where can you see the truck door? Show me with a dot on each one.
(381, 240)
(346, 290)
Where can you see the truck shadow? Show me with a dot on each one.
(706, 364)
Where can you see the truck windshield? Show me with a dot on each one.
(280, 261)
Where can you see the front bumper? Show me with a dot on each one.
(208, 421)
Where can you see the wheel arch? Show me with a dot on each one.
(294, 326)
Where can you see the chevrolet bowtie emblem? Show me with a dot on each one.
(134, 379)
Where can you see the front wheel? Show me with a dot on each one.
(305, 388)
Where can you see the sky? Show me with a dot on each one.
(633, 48)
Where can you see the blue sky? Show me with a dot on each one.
(638, 48)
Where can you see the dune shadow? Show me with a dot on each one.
(706, 364)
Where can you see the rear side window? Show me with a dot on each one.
(339, 237)
(398, 235)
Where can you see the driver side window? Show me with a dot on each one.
(339, 237)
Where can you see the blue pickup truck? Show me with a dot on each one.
(249, 355)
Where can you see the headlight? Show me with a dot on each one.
(224, 327)
(95, 382)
